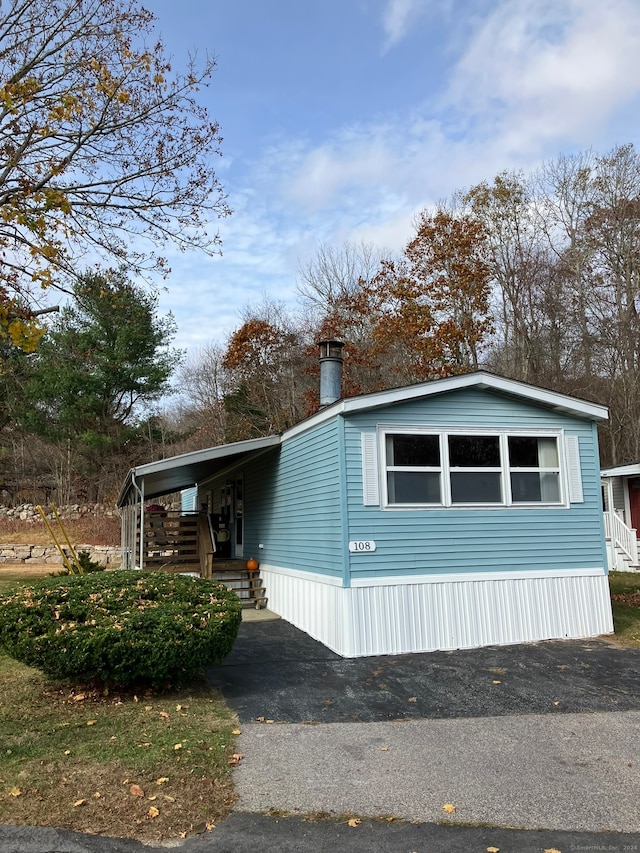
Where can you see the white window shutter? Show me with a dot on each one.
(574, 471)
(370, 483)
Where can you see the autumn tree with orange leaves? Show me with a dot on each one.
(264, 360)
(434, 313)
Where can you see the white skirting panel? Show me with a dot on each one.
(415, 617)
(310, 602)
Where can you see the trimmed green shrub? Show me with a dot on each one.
(123, 627)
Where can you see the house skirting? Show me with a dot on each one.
(421, 614)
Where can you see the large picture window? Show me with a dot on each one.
(436, 468)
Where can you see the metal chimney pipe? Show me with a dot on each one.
(330, 372)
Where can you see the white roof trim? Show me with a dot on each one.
(178, 472)
(479, 379)
(206, 455)
(631, 470)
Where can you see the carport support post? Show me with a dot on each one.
(140, 491)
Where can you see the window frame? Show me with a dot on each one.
(503, 434)
(408, 469)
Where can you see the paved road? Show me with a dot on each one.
(538, 740)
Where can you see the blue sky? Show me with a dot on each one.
(343, 118)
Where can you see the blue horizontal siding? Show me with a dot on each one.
(459, 540)
(292, 504)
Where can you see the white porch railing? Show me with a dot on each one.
(621, 536)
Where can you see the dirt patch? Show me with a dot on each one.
(26, 571)
(631, 599)
(88, 530)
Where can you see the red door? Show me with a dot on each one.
(634, 501)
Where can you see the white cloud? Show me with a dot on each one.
(534, 77)
(536, 72)
(397, 17)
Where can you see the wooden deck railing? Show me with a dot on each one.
(171, 541)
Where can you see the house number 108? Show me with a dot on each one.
(362, 546)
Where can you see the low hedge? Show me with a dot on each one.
(121, 627)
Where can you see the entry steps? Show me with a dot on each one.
(247, 585)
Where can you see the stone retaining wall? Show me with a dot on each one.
(29, 512)
(106, 555)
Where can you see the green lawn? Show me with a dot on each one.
(625, 602)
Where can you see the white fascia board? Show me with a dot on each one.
(631, 470)
(479, 379)
(466, 577)
(195, 457)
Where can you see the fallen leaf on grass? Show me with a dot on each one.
(79, 697)
(79, 803)
(91, 722)
(67, 752)
(236, 732)
(15, 792)
(355, 821)
(136, 791)
(235, 759)
(153, 812)
(168, 798)
(164, 715)
(449, 808)
(177, 746)
(162, 780)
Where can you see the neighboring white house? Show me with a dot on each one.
(621, 498)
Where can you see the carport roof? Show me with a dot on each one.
(180, 472)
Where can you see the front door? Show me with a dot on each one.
(634, 501)
(238, 532)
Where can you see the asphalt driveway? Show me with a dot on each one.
(279, 673)
(539, 736)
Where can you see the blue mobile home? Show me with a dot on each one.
(450, 514)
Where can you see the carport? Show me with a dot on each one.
(152, 537)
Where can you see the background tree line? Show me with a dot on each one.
(536, 277)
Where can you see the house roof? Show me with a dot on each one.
(179, 472)
(479, 379)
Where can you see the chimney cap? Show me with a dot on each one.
(331, 349)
